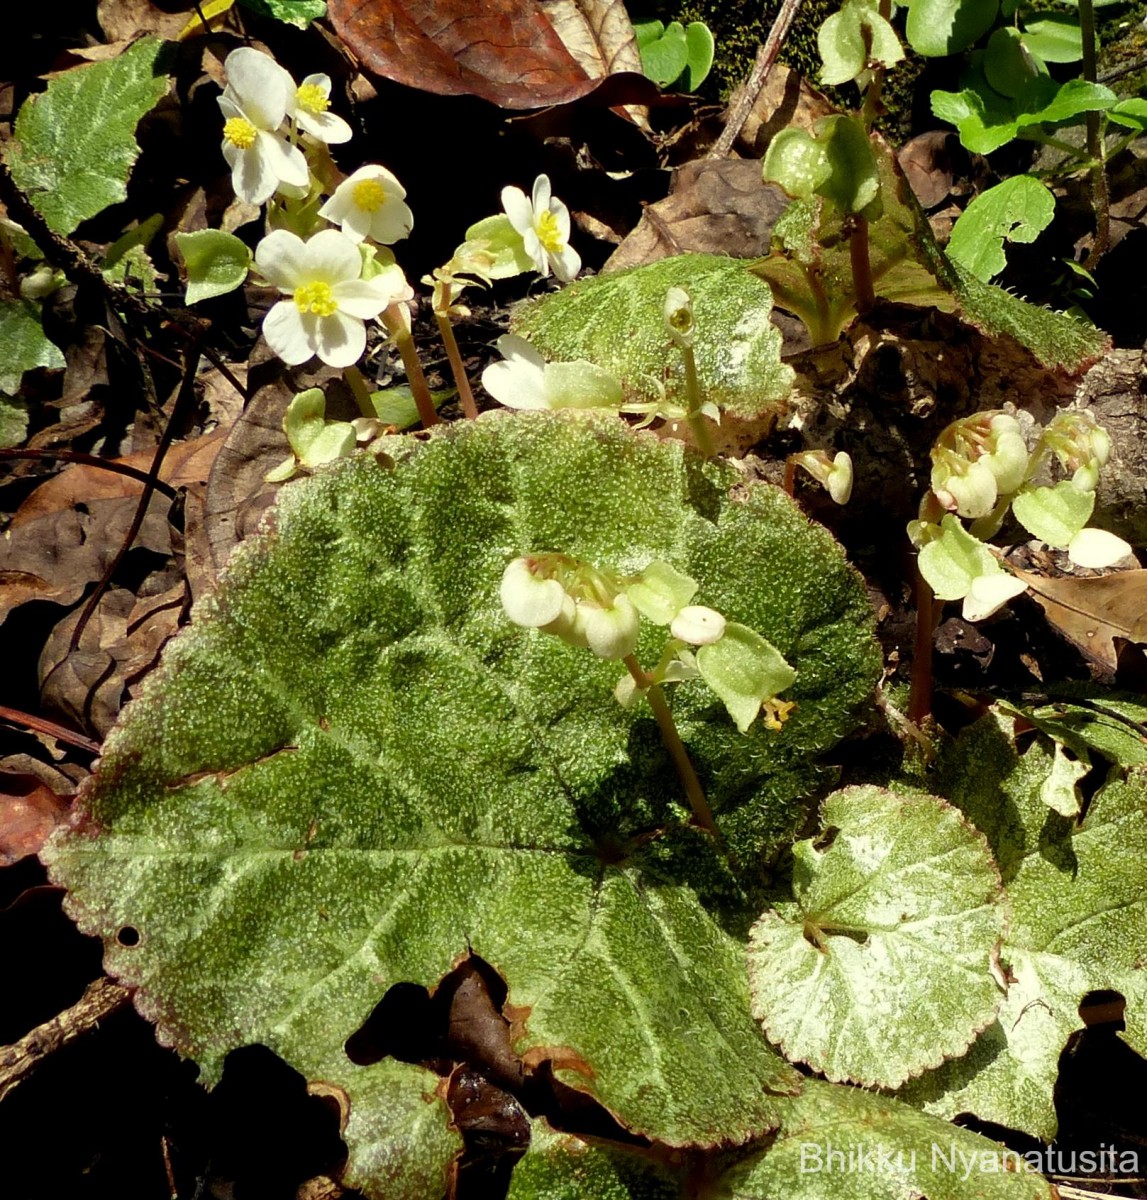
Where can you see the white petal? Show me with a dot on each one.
(1097, 548)
(561, 216)
(337, 207)
(519, 210)
(339, 339)
(392, 222)
(253, 178)
(286, 334)
(328, 127)
(541, 196)
(227, 106)
(389, 182)
(281, 258)
(517, 349)
(288, 162)
(566, 263)
(990, 593)
(536, 252)
(332, 257)
(363, 298)
(609, 632)
(260, 86)
(356, 223)
(527, 600)
(516, 385)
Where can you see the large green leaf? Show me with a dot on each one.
(75, 144)
(883, 966)
(853, 1145)
(1018, 210)
(617, 321)
(1079, 921)
(352, 768)
(23, 343)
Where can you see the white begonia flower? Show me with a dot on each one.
(526, 380)
(970, 488)
(258, 95)
(698, 625)
(328, 301)
(1097, 548)
(529, 601)
(1008, 458)
(839, 481)
(370, 203)
(544, 223)
(309, 107)
(989, 593)
(610, 632)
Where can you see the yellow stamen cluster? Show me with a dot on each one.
(774, 713)
(240, 133)
(312, 98)
(316, 298)
(546, 227)
(369, 195)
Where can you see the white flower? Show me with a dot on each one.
(698, 625)
(609, 631)
(328, 300)
(526, 380)
(989, 593)
(309, 106)
(544, 223)
(528, 600)
(369, 203)
(257, 97)
(1097, 548)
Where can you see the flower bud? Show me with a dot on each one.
(529, 601)
(969, 488)
(608, 632)
(679, 316)
(839, 481)
(698, 625)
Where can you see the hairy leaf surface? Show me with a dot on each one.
(353, 769)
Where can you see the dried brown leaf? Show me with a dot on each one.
(597, 33)
(504, 51)
(1091, 613)
(185, 463)
(29, 810)
(716, 206)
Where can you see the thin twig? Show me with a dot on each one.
(184, 397)
(758, 77)
(90, 460)
(41, 725)
(99, 1001)
(1095, 143)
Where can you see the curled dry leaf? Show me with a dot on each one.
(505, 51)
(1091, 613)
(33, 799)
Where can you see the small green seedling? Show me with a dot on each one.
(675, 55)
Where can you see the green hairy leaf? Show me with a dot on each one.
(884, 1150)
(23, 344)
(617, 322)
(883, 966)
(937, 27)
(1078, 894)
(1018, 210)
(75, 143)
(216, 262)
(299, 13)
(353, 768)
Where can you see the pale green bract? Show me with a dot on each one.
(217, 263)
(1078, 895)
(353, 767)
(882, 968)
(616, 321)
(1054, 514)
(75, 145)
